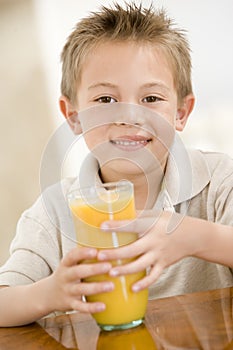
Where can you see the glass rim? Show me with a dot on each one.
(118, 185)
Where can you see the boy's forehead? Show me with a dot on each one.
(123, 55)
(105, 47)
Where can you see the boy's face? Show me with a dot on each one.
(134, 74)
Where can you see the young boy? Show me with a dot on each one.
(133, 59)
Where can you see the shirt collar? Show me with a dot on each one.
(187, 173)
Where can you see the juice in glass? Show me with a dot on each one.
(90, 207)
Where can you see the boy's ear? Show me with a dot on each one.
(184, 111)
(71, 114)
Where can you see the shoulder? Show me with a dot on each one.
(220, 165)
(48, 220)
(59, 190)
(215, 159)
(51, 205)
(219, 190)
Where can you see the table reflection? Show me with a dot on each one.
(86, 335)
(195, 321)
(138, 338)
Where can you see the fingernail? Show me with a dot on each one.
(92, 253)
(136, 288)
(100, 307)
(108, 287)
(104, 226)
(102, 256)
(106, 267)
(114, 273)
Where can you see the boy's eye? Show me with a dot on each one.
(106, 99)
(151, 99)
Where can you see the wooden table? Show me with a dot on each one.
(194, 321)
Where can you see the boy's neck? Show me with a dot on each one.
(146, 187)
(146, 190)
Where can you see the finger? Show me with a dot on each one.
(82, 306)
(135, 266)
(128, 251)
(149, 279)
(149, 213)
(77, 255)
(81, 271)
(91, 288)
(139, 225)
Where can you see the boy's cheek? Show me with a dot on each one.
(95, 136)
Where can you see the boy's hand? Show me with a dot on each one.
(65, 287)
(162, 242)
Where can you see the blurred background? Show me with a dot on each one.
(32, 34)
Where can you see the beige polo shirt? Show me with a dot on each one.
(197, 184)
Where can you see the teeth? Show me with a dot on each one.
(129, 143)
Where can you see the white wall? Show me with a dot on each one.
(25, 115)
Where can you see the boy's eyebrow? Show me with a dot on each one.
(155, 84)
(146, 85)
(101, 84)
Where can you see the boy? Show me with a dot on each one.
(136, 60)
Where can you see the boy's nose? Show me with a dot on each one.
(127, 124)
(128, 114)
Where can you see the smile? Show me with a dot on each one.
(130, 144)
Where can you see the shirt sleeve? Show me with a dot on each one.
(35, 251)
(224, 200)
(44, 234)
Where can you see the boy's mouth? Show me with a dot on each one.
(130, 143)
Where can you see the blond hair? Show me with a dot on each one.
(132, 23)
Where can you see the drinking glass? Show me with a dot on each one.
(90, 207)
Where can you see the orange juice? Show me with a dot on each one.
(123, 307)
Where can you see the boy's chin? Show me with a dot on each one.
(120, 169)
